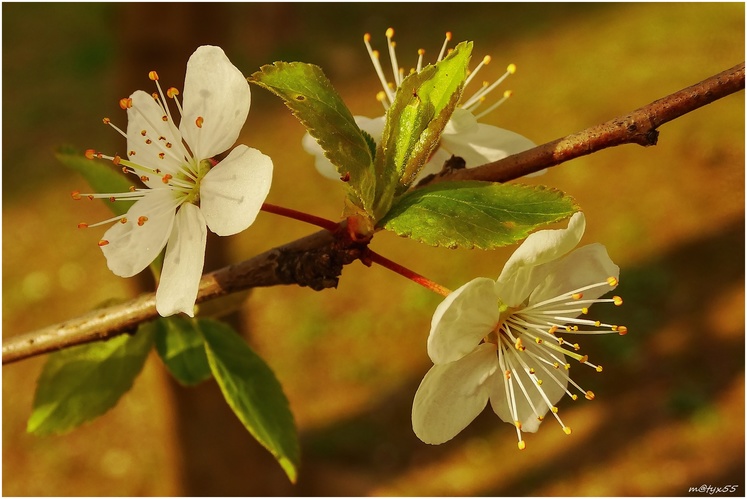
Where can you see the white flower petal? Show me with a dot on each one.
(586, 265)
(183, 264)
(553, 390)
(232, 192)
(131, 246)
(146, 115)
(462, 320)
(475, 142)
(452, 395)
(216, 91)
(519, 278)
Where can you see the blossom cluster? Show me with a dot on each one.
(498, 341)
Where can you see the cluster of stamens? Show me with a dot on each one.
(541, 323)
(386, 96)
(183, 179)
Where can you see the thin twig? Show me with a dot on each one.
(317, 260)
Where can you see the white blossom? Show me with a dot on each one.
(477, 143)
(186, 190)
(501, 340)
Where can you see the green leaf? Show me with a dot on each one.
(309, 94)
(101, 175)
(473, 214)
(253, 392)
(182, 348)
(421, 109)
(81, 383)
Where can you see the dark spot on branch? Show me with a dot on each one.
(652, 137)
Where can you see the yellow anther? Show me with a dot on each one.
(125, 103)
(144, 178)
(522, 445)
(165, 179)
(89, 154)
(577, 296)
(617, 300)
(597, 323)
(531, 370)
(172, 92)
(511, 68)
(375, 54)
(556, 365)
(539, 382)
(82, 225)
(141, 220)
(155, 96)
(132, 187)
(519, 344)
(106, 121)
(367, 37)
(103, 242)
(421, 51)
(567, 430)
(567, 366)
(486, 59)
(507, 94)
(622, 330)
(517, 424)
(612, 281)
(584, 311)
(199, 121)
(161, 155)
(381, 96)
(553, 330)
(75, 195)
(538, 340)
(448, 35)
(153, 76)
(116, 160)
(123, 220)
(583, 359)
(574, 396)
(507, 374)
(554, 409)
(540, 418)
(164, 118)
(590, 395)
(389, 32)
(599, 369)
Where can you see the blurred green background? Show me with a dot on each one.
(669, 412)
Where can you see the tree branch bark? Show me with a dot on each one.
(317, 260)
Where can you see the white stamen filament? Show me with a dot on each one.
(484, 91)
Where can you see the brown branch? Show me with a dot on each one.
(638, 127)
(317, 260)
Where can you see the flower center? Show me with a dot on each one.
(157, 155)
(529, 346)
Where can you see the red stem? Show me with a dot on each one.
(303, 217)
(403, 271)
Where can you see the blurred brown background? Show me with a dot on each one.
(669, 412)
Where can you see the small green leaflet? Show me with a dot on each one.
(100, 175)
(81, 383)
(182, 348)
(422, 106)
(473, 214)
(309, 94)
(253, 392)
